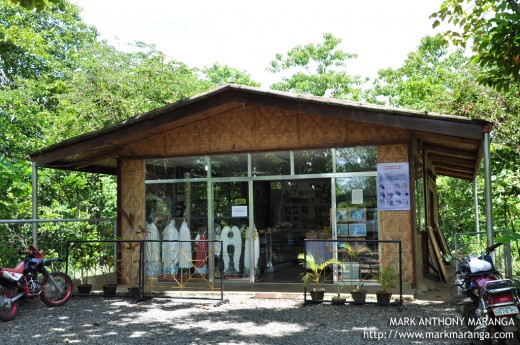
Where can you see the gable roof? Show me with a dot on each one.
(454, 143)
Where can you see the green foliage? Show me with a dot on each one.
(39, 5)
(221, 75)
(314, 271)
(425, 81)
(387, 278)
(493, 26)
(433, 79)
(40, 44)
(320, 70)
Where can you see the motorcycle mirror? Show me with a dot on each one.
(447, 258)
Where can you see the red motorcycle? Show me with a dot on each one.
(30, 279)
(490, 302)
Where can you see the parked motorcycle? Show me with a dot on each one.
(491, 303)
(30, 279)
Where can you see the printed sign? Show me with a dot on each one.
(393, 186)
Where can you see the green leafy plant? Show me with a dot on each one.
(314, 271)
(359, 287)
(387, 278)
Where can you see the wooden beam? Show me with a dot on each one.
(451, 152)
(454, 161)
(456, 174)
(454, 167)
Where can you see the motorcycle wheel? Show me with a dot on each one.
(7, 312)
(52, 296)
(470, 313)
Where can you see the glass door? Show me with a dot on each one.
(356, 222)
(231, 220)
(286, 212)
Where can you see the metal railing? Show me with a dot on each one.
(355, 262)
(158, 268)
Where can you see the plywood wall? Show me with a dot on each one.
(254, 128)
(396, 225)
(131, 215)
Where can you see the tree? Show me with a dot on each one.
(425, 81)
(221, 75)
(432, 79)
(40, 44)
(39, 5)
(110, 86)
(320, 70)
(493, 26)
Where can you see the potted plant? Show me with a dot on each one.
(339, 299)
(387, 278)
(106, 265)
(314, 274)
(82, 255)
(359, 293)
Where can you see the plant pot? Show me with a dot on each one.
(84, 289)
(383, 298)
(339, 300)
(317, 295)
(109, 289)
(359, 297)
(134, 292)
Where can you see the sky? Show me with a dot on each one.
(248, 34)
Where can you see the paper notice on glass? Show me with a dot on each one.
(393, 186)
(357, 196)
(238, 211)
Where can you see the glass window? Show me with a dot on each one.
(357, 219)
(313, 162)
(271, 163)
(176, 168)
(356, 159)
(229, 165)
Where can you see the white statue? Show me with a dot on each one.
(170, 250)
(185, 256)
(251, 235)
(152, 250)
(231, 238)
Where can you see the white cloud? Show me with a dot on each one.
(247, 34)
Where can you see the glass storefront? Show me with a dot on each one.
(262, 206)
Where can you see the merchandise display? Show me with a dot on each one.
(232, 246)
(185, 255)
(170, 250)
(251, 235)
(152, 250)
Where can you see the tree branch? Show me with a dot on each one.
(515, 6)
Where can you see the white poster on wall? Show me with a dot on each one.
(238, 211)
(357, 196)
(393, 186)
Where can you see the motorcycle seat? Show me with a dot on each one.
(18, 269)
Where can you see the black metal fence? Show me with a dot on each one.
(156, 268)
(52, 235)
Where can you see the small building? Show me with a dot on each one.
(289, 166)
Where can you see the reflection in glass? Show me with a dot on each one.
(313, 161)
(176, 168)
(271, 163)
(357, 219)
(231, 227)
(355, 159)
(229, 165)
